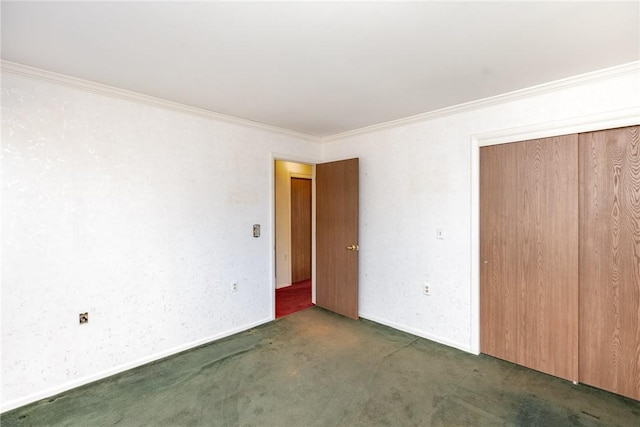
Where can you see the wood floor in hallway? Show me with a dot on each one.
(315, 368)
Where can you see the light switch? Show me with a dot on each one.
(256, 230)
(439, 233)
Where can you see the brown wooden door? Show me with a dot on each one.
(548, 256)
(498, 251)
(300, 229)
(610, 260)
(336, 230)
(529, 254)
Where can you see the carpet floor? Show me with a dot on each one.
(293, 298)
(315, 368)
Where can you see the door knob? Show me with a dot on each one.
(353, 248)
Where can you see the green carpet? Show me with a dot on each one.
(314, 368)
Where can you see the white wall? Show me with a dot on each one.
(283, 172)
(416, 178)
(139, 215)
(142, 216)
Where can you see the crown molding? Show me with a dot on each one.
(74, 82)
(114, 92)
(582, 79)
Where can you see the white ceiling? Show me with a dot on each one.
(321, 68)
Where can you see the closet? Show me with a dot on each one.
(560, 256)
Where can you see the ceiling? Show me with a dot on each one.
(321, 68)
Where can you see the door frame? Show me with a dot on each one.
(600, 121)
(272, 237)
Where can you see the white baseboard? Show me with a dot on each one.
(16, 403)
(460, 346)
(283, 285)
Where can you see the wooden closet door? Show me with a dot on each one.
(548, 255)
(300, 229)
(498, 251)
(529, 254)
(610, 260)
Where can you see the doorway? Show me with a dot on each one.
(334, 236)
(293, 234)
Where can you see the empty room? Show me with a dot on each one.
(320, 213)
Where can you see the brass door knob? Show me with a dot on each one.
(353, 248)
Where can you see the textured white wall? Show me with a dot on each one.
(140, 216)
(417, 178)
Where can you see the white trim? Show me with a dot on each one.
(417, 332)
(294, 158)
(582, 79)
(114, 92)
(39, 74)
(272, 236)
(13, 404)
(610, 119)
(300, 175)
(605, 120)
(313, 232)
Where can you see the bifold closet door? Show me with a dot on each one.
(498, 248)
(548, 256)
(529, 254)
(610, 260)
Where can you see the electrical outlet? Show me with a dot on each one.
(83, 318)
(426, 290)
(234, 287)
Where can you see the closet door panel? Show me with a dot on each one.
(610, 260)
(498, 262)
(547, 232)
(300, 229)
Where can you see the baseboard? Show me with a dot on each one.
(13, 404)
(466, 347)
(283, 285)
